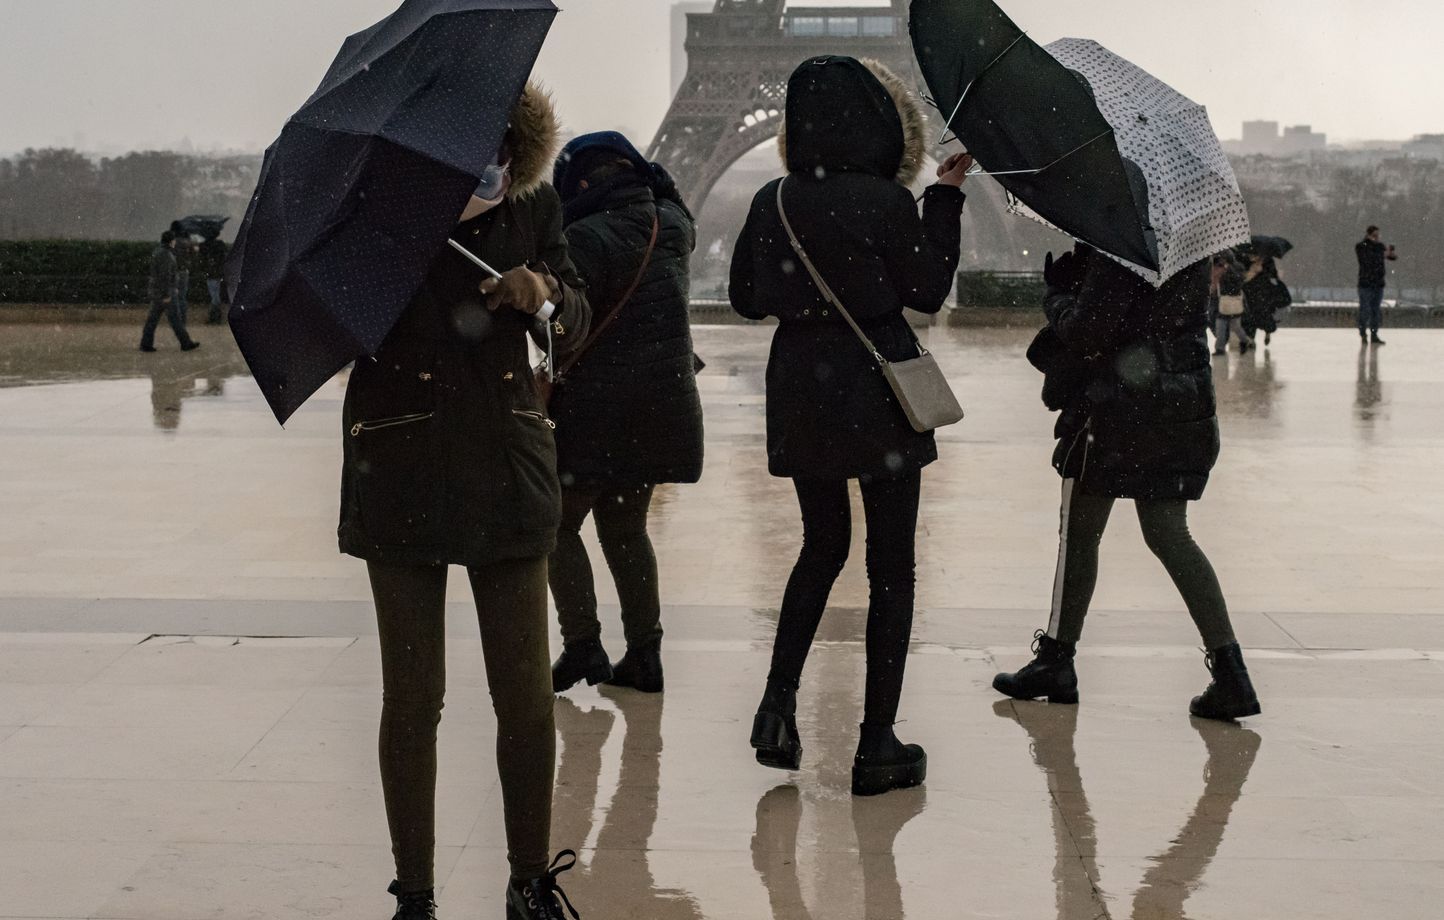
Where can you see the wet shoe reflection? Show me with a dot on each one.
(1173, 875)
(618, 862)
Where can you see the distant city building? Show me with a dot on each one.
(1263, 138)
(1425, 147)
(1259, 137)
(1301, 139)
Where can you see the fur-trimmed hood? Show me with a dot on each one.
(852, 116)
(533, 133)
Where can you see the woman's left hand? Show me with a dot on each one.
(520, 288)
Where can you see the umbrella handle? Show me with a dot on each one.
(548, 309)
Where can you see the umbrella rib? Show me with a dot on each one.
(1034, 172)
(974, 82)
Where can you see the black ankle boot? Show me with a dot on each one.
(536, 898)
(414, 905)
(1230, 695)
(1049, 674)
(884, 763)
(640, 668)
(774, 730)
(581, 661)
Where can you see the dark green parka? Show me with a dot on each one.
(449, 455)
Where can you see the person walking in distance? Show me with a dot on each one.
(449, 459)
(627, 410)
(212, 258)
(1127, 366)
(853, 141)
(1227, 277)
(1373, 274)
(164, 299)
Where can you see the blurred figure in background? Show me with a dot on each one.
(1373, 273)
(1226, 293)
(211, 257)
(164, 278)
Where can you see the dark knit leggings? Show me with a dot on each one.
(621, 516)
(511, 604)
(1165, 529)
(891, 512)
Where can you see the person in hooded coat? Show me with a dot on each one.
(449, 460)
(854, 140)
(1127, 365)
(627, 409)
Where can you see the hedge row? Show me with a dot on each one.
(1009, 290)
(80, 271)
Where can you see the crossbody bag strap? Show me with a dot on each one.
(610, 317)
(822, 285)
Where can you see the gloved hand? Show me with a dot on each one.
(1064, 275)
(519, 288)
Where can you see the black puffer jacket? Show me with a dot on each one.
(851, 137)
(628, 411)
(1129, 367)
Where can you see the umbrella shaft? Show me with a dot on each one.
(473, 259)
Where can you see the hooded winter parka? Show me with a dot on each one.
(854, 140)
(449, 455)
(1129, 367)
(628, 412)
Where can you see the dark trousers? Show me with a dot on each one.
(177, 319)
(411, 618)
(1371, 308)
(217, 311)
(1084, 517)
(891, 512)
(621, 516)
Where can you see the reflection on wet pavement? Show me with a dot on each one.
(235, 778)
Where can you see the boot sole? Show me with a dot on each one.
(877, 780)
(640, 687)
(774, 746)
(592, 677)
(1066, 697)
(1250, 709)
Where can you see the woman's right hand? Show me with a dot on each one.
(954, 170)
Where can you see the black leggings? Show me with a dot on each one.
(891, 511)
(411, 616)
(1165, 529)
(621, 516)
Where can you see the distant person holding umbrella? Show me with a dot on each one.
(212, 258)
(1373, 274)
(162, 287)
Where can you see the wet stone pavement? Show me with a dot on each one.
(189, 678)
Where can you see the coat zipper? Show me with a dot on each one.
(534, 416)
(378, 424)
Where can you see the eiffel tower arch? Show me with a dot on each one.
(739, 57)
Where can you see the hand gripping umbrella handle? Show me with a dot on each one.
(548, 308)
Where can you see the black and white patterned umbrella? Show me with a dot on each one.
(1195, 208)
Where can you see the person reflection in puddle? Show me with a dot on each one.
(620, 861)
(1369, 391)
(1172, 876)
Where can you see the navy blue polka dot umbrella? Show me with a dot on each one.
(358, 194)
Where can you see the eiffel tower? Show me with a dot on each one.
(739, 57)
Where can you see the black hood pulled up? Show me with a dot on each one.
(840, 118)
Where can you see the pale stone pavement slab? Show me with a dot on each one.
(189, 679)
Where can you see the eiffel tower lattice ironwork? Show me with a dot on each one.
(739, 57)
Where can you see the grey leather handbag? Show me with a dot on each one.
(918, 383)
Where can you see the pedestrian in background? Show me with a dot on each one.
(1127, 366)
(1373, 273)
(185, 256)
(853, 142)
(162, 290)
(626, 406)
(211, 257)
(1226, 293)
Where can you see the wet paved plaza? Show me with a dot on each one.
(159, 763)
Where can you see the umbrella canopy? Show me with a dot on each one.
(1269, 246)
(358, 194)
(206, 226)
(1082, 139)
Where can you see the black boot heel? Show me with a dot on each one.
(776, 743)
(883, 763)
(581, 661)
(1230, 695)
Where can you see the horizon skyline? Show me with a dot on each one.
(115, 102)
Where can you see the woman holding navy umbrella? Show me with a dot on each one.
(449, 460)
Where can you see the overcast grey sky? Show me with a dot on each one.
(227, 73)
